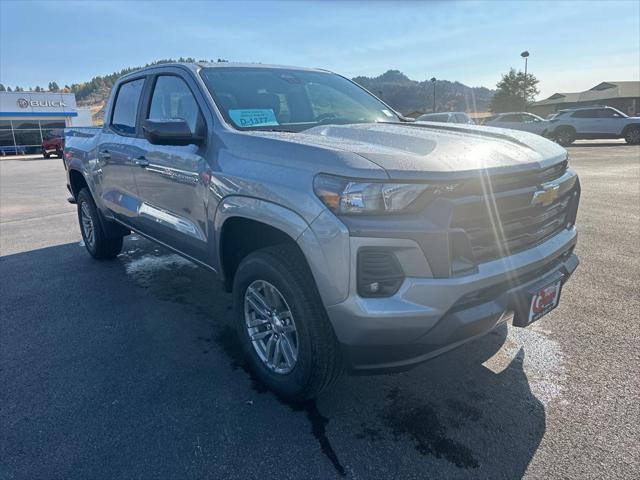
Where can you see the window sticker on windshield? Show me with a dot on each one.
(253, 117)
(387, 112)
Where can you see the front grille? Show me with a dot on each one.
(502, 183)
(501, 225)
(506, 233)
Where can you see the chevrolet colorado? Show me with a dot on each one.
(351, 238)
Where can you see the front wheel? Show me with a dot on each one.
(632, 136)
(286, 336)
(45, 154)
(97, 242)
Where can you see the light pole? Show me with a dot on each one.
(525, 55)
(433, 80)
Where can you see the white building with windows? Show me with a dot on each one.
(26, 118)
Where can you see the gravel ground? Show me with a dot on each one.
(129, 369)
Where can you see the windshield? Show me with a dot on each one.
(290, 100)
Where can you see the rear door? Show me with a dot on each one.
(586, 121)
(172, 181)
(116, 150)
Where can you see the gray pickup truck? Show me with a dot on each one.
(352, 239)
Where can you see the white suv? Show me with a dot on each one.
(446, 117)
(593, 123)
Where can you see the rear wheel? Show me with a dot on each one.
(565, 136)
(97, 242)
(58, 153)
(45, 154)
(632, 136)
(286, 336)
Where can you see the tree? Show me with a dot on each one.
(53, 87)
(511, 92)
(19, 89)
(38, 89)
(2, 89)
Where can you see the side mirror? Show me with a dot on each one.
(170, 132)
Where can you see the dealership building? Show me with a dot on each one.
(26, 118)
(625, 96)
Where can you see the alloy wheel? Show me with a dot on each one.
(87, 225)
(271, 327)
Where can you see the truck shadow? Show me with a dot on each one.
(452, 409)
(451, 417)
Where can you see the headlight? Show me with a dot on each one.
(343, 196)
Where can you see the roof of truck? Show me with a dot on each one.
(197, 65)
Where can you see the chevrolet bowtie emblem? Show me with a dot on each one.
(547, 195)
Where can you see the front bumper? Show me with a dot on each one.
(429, 316)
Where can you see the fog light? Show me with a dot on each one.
(379, 272)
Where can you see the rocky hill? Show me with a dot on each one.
(406, 95)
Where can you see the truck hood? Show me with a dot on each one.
(421, 151)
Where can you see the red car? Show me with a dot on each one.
(53, 143)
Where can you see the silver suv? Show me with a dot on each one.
(593, 123)
(351, 238)
(527, 122)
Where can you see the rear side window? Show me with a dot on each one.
(173, 100)
(585, 114)
(125, 109)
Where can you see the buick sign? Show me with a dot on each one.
(24, 103)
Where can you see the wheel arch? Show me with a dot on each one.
(629, 127)
(245, 224)
(77, 182)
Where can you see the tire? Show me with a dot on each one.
(46, 155)
(59, 153)
(97, 242)
(632, 136)
(565, 136)
(318, 363)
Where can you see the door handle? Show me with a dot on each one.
(141, 161)
(104, 155)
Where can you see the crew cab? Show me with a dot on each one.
(568, 125)
(352, 239)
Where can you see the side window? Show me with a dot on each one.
(173, 100)
(585, 114)
(608, 113)
(125, 110)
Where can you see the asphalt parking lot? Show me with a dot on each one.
(128, 369)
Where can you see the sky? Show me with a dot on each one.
(573, 45)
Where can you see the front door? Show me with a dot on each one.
(172, 181)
